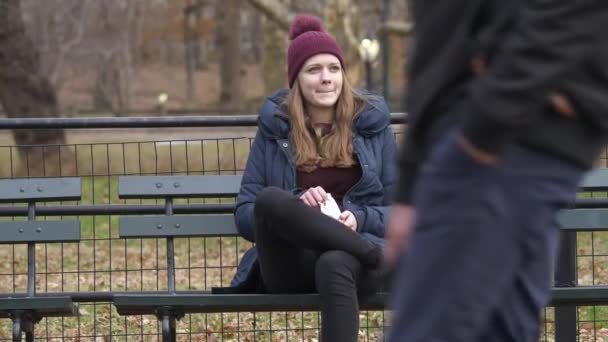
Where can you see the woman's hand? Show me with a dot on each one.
(314, 196)
(349, 220)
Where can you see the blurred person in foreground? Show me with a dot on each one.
(317, 138)
(508, 107)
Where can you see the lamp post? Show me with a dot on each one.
(368, 50)
(386, 63)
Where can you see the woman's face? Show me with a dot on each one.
(320, 80)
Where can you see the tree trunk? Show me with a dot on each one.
(196, 39)
(342, 20)
(107, 83)
(127, 58)
(257, 36)
(274, 56)
(25, 92)
(229, 38)
(191, 54)
(275, 27)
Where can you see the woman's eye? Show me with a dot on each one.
(335, 68)
(314, 69)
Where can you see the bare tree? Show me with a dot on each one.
(192, 52)
(138, 21)
(115, 28)
(57, 28)
(107, 95)
(228, 38)
(275, 24)
(308, 7)
(274, 54)
(197, 36)
(26, 92)
(274, 10)
(127, 52)
(342, 18)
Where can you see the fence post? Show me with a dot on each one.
(385, 42)
(565, 276)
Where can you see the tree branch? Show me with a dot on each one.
(399, 28)
(352, 39)
(65, 46)
(274, 11)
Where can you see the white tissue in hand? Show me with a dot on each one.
(330, 208)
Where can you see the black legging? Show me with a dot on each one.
(302, 250)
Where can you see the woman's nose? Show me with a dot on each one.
(325, 77)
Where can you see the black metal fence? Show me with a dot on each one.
(102, 264)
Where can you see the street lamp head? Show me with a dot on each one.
(162, 98)
(369, 49)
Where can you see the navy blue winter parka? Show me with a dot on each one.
(271, 163)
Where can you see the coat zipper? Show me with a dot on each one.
(285, 146)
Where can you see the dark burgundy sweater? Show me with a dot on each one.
(334, 180)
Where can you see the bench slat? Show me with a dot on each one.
(178, 186)
(211, 303)
(595, 180)
(203, 303)
(580, 295)
(191, 225)
(583, 219)
(215, 225)
(39, 231)
(40, 189)
(43, 306)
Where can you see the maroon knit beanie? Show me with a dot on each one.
(308, 39)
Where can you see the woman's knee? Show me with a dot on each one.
(336, 264)
(268, 199)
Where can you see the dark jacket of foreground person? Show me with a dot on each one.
(529, 62)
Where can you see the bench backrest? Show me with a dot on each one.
(228, 186)
(169, 226)
(32, 190)
(178, 186)
(588, 219)
(169, 188)
(595, 180)
(39, 189)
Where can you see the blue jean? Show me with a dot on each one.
(479, 265)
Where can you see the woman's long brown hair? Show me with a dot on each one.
(334, 149)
